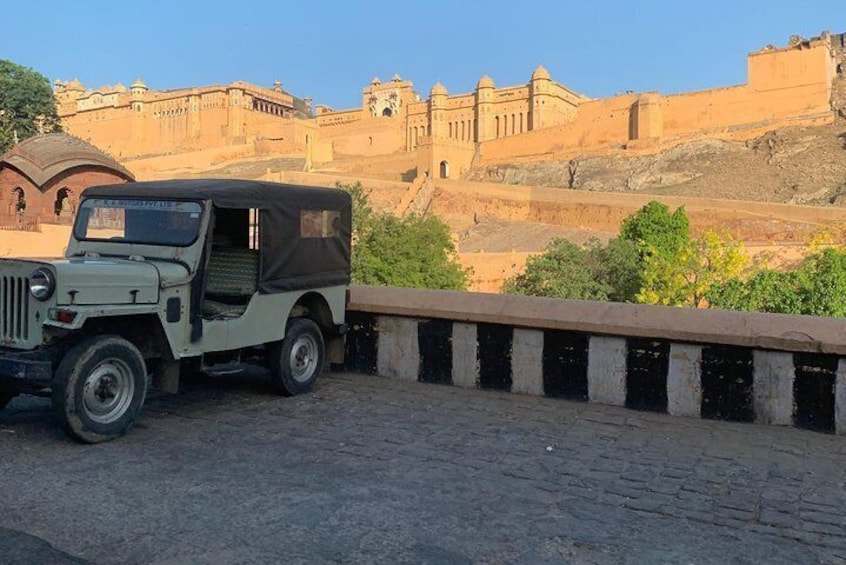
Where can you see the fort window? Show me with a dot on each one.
(444, 170)
(387, 112)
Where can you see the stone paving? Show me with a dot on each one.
(372, 470)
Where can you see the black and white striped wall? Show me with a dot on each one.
(641, 357)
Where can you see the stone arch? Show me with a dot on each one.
(387, 112)
(444, 169)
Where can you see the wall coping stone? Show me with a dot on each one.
(705, 326)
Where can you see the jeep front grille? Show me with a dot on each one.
(14, 309)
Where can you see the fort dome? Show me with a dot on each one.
(541, 74)
(438, 90)
(485, 82)
(138, 84)
(44, 157)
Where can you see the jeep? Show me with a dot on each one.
(161, 277)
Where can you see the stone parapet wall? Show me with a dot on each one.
(749, 367)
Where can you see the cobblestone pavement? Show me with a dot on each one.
(371, 470)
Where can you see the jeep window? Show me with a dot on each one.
(320, 223)
(154, 222)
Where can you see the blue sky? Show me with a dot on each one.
(330, 50)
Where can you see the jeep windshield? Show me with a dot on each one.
(125, 220)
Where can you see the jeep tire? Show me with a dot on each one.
(296, 361)
(99, 388)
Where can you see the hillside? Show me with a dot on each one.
(791, 165)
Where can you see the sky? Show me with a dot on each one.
(331, 50)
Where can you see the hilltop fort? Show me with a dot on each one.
(541, 120)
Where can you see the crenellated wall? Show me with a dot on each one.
(763, 368)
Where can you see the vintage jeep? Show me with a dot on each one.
(162, 276)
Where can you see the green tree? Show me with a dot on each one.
(765, 291)
(591, 272)
(655, 230)
(817, 288)
(27, 104)
(414, 251)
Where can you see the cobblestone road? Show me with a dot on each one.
(372, 470)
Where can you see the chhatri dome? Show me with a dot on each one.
(541, 74)
(485, 82)
(438, 89)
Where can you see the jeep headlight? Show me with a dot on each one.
(42, 284)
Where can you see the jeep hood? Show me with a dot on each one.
(90, 281)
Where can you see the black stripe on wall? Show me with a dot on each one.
(434, 338)
(565, 365)
(813, 391)
(494, 353)
(727, 377)
(647, 364)
(362, 343)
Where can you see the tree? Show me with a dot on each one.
(817, 288)
(592, 272)
(414, 251)
(27, 104)
(764, 291)
(684, 275)
(655, 230)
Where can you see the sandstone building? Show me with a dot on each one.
(139, 121)
(447, 134)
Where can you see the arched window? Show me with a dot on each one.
(444, 170)
(63, 205)
(17, 204)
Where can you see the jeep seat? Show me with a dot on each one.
(231, 279)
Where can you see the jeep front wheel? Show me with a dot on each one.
(99, 388)
(296, 361)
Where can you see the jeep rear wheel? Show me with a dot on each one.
(99, 388)
(296, 361)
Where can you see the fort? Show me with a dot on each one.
(448, 134)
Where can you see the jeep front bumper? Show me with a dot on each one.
(26, 368)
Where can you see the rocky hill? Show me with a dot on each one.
(791, 165)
